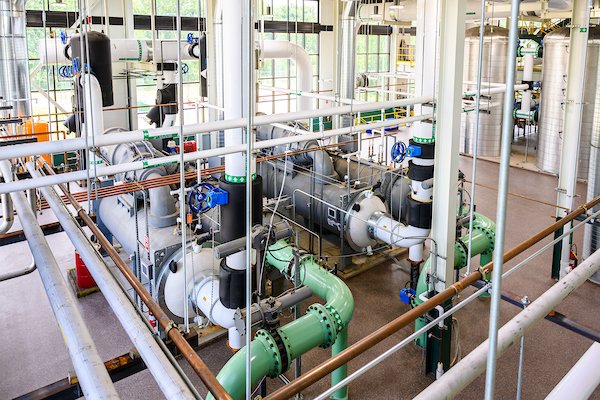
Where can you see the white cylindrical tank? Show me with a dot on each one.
(495, 50)
(552, 110)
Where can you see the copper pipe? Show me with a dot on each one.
(205, 374)
(409, 317)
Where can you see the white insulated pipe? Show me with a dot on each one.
(93, 105)
(581, 381)
(205, 295)
(390, 231)
(233, 83)
(159, 365)
(91, 372)
(100, 170)
(493, 90)
(473, 365)
(285, 49)
(527, 77)
(59, 146)
(52, 51)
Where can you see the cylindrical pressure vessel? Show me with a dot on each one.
(495, 50)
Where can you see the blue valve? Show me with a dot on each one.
(406, 295)
(63, 37)
(413, 151)
(217, 196)
(191, 39)
(398, 152)
(76, 66)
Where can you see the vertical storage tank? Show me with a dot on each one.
(552, 110)
(495, 50)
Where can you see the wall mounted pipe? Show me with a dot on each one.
(285, 49)
(139, 165)
(354, 350)
(471, 366)
(321, 326)
(31, 149)
(91, 372)
(165, 374)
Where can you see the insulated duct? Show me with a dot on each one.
(15, 89)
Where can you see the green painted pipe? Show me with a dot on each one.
(322, 326)
(484, 231)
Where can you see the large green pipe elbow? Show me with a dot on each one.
(484, 232)
(322, 326)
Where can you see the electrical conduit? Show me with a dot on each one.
(482, 243)
(322, 326)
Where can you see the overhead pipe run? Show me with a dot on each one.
(59, 146)
(139, 165)
(91, 372)
(472, 365)
(166, 375)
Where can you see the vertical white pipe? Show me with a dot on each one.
(233, 93)
(567, 177)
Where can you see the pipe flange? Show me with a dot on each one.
(271, 345)
(339, 324)
(327, 322)
(490, 235)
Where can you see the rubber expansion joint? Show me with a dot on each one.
(419, 173)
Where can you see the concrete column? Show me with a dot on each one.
(445, 181)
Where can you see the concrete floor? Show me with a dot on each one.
(32, 353)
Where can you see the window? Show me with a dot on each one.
(372, 56)
(292, 10)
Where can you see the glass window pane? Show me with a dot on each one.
(384, 63)
(372, 67)
(361, 44)
(361, 62)
(311, 44)
(384, 44)
(281, 68)
(311, 11)
(373, 44)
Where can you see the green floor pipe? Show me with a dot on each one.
(322, 326)
(484, 232)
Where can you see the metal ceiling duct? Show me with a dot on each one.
(495, 50)
(554, 86)
(14, 66)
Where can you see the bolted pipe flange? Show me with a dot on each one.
(327, 322)
(339, 324)
(489, 233)
(271, 345)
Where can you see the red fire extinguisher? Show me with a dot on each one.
(573, 259)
